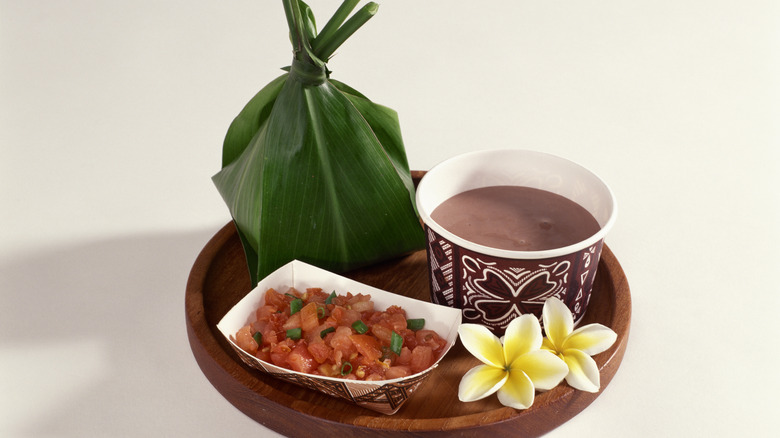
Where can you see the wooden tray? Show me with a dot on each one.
(219, 279)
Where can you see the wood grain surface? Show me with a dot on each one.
(219, 279)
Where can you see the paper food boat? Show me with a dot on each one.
(385, 396)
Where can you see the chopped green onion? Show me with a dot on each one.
(415, 324)
(344, 370)
(258, 337)
(294, 334)
(396, 342)
(290, 295)
(330, 298)
(326, 331)
(359, 327)
(295, 306)
(320, 312)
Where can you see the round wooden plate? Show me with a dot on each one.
(219, 279)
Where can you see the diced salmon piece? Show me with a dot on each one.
(431, 339)
(308, 317)
(280, 351)
(275, 299)
(258, 326)
(320, 351)
(405, 358)
(344, 316)
(315, 335)
(367, 345)
(245, 340)
(275, 327)
(363, 306)
(337, 357)
(270, 335)
(315, 295)
(392, 310)
(263, 313)
(397, 371)
(342, 341)
(397, 321)
(300, 359)
(410, 340)
(292, 322)
(422, 358)
(292, 291)
(264, 354)
(383, 333)
(372, 377)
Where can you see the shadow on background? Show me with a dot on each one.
(93, 343)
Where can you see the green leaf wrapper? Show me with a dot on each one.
(315, 171)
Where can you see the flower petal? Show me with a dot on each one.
(483, 344)
(591, 339)
(517, 392)
(548, 345)
(583, 371)
(545, 369)
(558, 321)
(523, 334)
(480, 382)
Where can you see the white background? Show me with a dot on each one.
(112, 115)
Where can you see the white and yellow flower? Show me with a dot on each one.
(575, 347)
(514, 369)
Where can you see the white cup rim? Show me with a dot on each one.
(605, 227)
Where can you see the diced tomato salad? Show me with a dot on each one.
(338, 336)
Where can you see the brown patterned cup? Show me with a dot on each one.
(493, 286)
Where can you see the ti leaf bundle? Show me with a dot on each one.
(312, 169)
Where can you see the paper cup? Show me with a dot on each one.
(493, 286)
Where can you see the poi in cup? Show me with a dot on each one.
(492, 284)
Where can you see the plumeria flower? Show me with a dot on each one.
(575, 347)
(515, 369)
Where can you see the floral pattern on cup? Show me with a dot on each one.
(492, 290)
